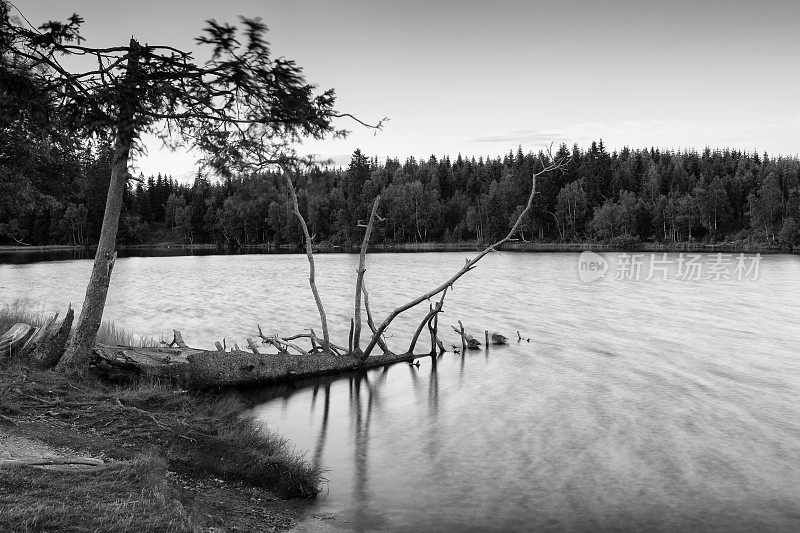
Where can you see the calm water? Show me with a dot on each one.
(662, 404)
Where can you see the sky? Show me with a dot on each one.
(482, 78)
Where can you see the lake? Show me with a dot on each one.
(665, 394)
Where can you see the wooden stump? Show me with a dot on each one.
(41, 335)
(49, 351)
(14, 339)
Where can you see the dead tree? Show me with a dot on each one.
(326, 341)
(353, 343)
(362, 258)
(470, 263)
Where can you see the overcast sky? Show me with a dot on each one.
(481, 78)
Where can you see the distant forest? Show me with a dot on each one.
(621, 197)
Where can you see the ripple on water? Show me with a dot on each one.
(637, 405)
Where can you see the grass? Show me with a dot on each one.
(176, 461)
(108, 333)
(198, 435)
(10, 314)
(129, 496)
(158, 441)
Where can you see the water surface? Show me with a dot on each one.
(661, 404)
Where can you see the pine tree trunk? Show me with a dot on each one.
(76, 358)
(77, 355)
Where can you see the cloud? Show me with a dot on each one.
(520, 137)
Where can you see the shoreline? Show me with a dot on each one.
(168, 451)
(267, 248)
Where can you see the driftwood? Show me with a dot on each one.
(41, 461)
(177, 339)
(499, 339)
(252, 345)
(194, 368)
(14, 339)
(282, 345)
(467, 340)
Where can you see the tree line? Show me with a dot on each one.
(621, 197)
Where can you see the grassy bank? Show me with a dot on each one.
(182, 461)
(125, 496)
(108, 333)
(175, 460)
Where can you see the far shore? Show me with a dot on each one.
(518, 246)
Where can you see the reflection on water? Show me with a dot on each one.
(662, 404)
(21, 256)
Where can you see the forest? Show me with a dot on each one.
(50, 196)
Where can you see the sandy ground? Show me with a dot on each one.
(16, 447)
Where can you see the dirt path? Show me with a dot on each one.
(16, 447)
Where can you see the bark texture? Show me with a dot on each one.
(49, 352)
(195, 368)
(77, 355)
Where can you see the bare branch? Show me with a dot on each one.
(469, 264)
(436, 309)
(360, 277)
(326, 342)
(381, 343)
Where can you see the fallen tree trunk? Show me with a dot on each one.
(194, 368)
